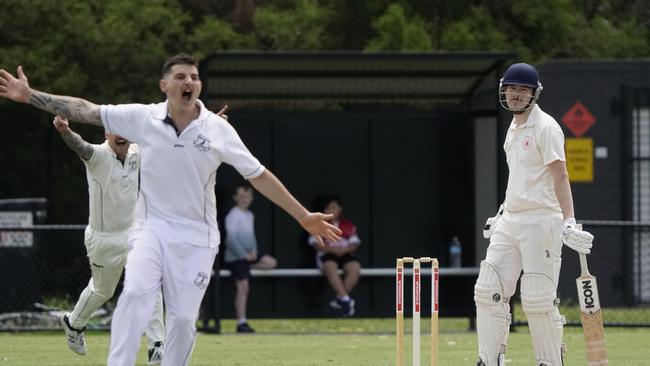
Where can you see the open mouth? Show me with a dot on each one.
(187, 95)
(120, 141)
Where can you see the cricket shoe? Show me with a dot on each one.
(244, 328)
(156, 354)
(76, 339)
(335, 304)
(347, 307)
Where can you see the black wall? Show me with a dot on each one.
(404, 179)
(598, 85)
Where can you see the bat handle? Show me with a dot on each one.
(584, 270)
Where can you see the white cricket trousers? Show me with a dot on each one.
(183, 270)
(106, 255)
(529, 241)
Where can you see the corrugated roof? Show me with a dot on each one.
(437, 78)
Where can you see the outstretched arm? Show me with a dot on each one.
(72, 139)
(314, 222)
(17, 89)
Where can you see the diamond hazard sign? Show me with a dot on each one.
(578, 119)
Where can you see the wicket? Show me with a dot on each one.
(399, 308)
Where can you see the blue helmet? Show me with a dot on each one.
(520, 74)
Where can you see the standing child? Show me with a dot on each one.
(241, 251)
(339, 254)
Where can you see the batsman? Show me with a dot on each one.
(527, 233)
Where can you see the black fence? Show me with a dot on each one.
(47, 264)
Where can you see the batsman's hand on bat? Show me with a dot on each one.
(16, 89)
(317, 224)
(61, 124)
(579, 240)
(491, 223)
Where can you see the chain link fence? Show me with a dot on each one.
(620, 261)
(47, 264)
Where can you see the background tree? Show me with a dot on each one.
(396, 32)
(110, 51)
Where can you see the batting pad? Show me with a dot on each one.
(544, 319)
(492, 316)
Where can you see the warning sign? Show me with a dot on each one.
(578, 119)
(580, 159)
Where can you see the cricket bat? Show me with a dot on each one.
(591, 315)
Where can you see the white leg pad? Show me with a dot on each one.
(538, 299)
(492, 316)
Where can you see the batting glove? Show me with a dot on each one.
(491, 223)
(578, 240)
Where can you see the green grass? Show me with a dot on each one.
(316, 342)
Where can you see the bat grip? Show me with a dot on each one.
(583, 264)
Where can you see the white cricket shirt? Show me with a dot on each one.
(112, 188)
(530, 148)
(178, 173)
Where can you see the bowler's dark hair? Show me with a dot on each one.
(180, 59)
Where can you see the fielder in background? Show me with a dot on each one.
(112, 170)
(339, 254)
(528, 231)
(181, 146)
(241, 251)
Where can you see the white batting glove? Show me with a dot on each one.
(491, 222)
(578, 240)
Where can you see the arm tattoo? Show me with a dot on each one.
(76, 109)
(78, 144)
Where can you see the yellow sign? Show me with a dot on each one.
(580, 159)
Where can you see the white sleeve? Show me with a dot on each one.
(551, 143)
(126, 120)
(236, 153)
(98, 161)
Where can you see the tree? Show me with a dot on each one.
(301, 26)
(477, 31)
(397, 33)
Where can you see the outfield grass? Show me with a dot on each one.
(347, 342)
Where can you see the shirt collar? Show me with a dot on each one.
(160, 110)
(530, 122)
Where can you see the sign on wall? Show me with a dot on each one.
(578, 119)
(11, 238)
(580, 159)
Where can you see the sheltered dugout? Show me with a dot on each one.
(405, 139)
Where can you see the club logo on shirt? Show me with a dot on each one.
(527, 143)
(133, 163)
(202, 143)
(201, 280)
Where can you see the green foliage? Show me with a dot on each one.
(300, 27)
(214, 34)
(111, 51)
(599, 37)
(548, 29)
(477, 31)
(395, 32)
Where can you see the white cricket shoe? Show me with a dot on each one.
(76, 339)
(156, 354)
